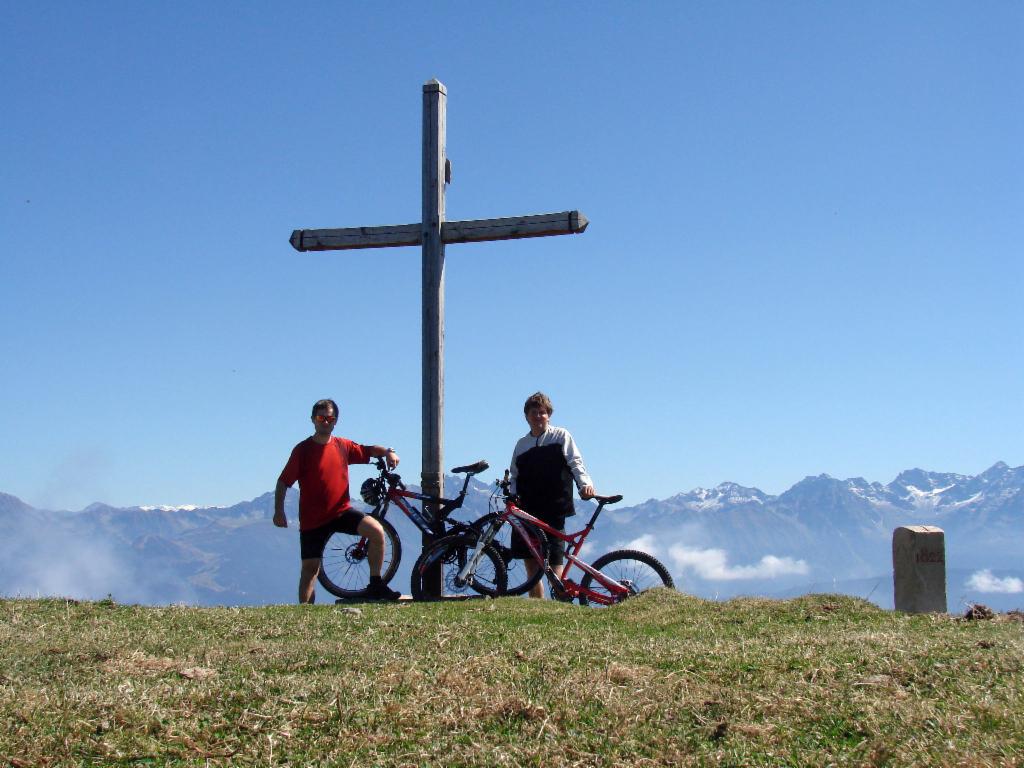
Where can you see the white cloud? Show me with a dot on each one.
(713, 565)
(645, 544)
(984, 581)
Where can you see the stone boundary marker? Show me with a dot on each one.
(919, 569)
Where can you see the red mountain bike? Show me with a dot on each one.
(612, 578)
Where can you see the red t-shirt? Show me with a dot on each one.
(322, 472)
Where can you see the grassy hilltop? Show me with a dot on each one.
(665, 679)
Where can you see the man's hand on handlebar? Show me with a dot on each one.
(388, 454)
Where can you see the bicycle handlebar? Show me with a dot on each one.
(470, 469)
(506, 486)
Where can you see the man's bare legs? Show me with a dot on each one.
(369, 528)
(307, 589)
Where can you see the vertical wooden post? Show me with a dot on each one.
(435, 102)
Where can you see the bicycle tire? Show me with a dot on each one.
(453, 553)
(638, 571)
(519, 581)
(344, 569)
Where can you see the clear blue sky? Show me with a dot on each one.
(805, 250)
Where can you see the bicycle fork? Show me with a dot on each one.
(485, 538)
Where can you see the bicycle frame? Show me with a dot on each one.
(515, 516)
(397, 494)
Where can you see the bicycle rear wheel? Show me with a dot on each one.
(636, 571)
(345, 569)
(519, 581)
(453, 552)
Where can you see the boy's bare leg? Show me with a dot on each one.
(557, 570)
(537, 590)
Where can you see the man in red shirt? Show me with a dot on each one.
(320, 464)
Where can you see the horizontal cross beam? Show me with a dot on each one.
(356, 237)
(479, 230)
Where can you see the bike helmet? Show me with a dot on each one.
(370, 491)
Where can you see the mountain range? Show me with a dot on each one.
(821, 535)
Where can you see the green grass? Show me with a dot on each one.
(664, 679)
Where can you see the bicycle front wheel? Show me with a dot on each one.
(636, 571)
(519, 581)
(453, 552)
(345, 568)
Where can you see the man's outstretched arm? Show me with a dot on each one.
(380, 452)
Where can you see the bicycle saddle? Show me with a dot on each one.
(472, 469)
(610, 499)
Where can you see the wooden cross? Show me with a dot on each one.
(433, 233)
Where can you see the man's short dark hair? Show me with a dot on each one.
(539, 400)
(319, 405)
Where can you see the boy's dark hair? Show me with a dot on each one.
(321, 404)
(539, 400)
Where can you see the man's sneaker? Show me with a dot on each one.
(378, 590)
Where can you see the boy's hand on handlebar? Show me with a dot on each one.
(587, 492)
(391, 458)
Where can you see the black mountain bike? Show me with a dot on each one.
(345, 570)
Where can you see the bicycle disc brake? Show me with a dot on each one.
(356, 553)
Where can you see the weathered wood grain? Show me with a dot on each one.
(514, 227)
(351, 238)
(435, 125)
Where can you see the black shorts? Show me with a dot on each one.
(312, 542)
(556, 547)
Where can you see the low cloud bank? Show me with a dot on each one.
(984, 581)
(713, 565)
(40, 558)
